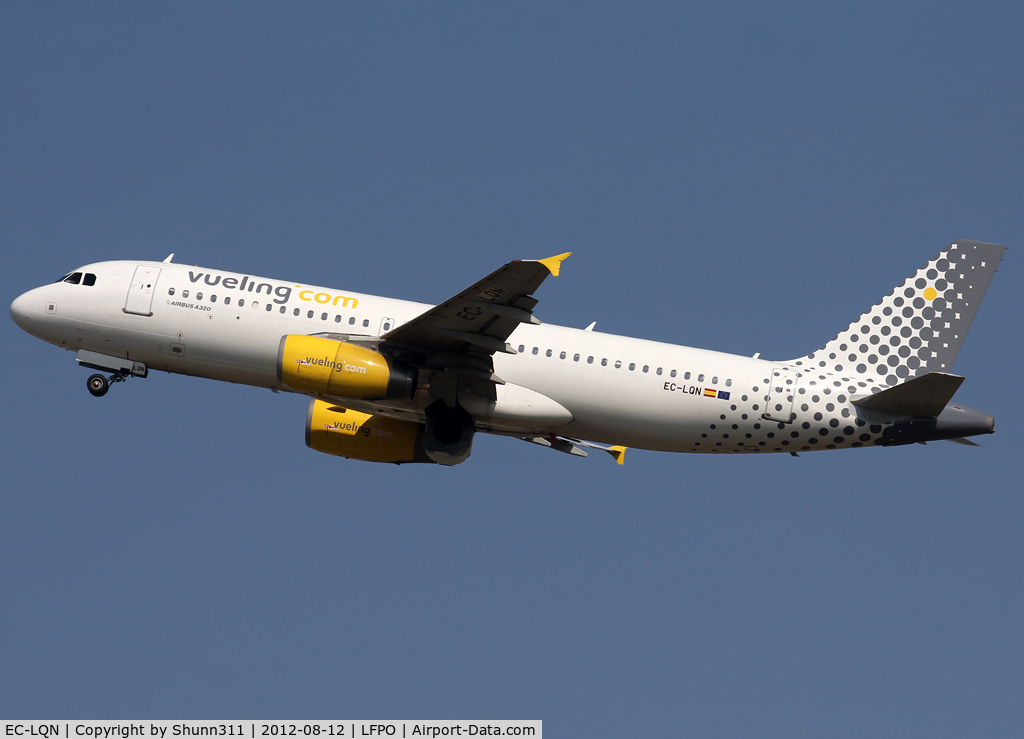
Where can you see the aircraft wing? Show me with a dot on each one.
(463, 332)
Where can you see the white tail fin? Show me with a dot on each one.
(920, 326)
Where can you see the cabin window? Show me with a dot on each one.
(295, 312)
(184, 293)
(323, 316)
(241, 302)
(366, 322)
(199, 296)
(227, 301)
(90, 279)
(387, 326)
(658, 371)
(714, 380)
(547, 353)
(337, 319)
(283, 310)
(728, 383)
(561, 355)
(74, 278)
(170, 291)
(686, 376)
(618, 363)
(269, 307)
(673, 374)
(590, 360)
(351, 320)
(632, 366)
(522, 348)
(535, 350)
(646, 368)
(604, 362)
(575, 357)
(213, 299)
(309, 314)
(700, 378)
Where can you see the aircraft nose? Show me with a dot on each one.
(21, 310)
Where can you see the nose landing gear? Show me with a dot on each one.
(122, 368)
(98, 384)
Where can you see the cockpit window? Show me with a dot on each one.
(90, 279)
(74, 278)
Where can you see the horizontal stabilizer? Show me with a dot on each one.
(926, 395)
(962, 440)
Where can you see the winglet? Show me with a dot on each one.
(619, 452)
(169, 258)
(553, 263)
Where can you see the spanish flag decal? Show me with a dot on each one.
(709, 393)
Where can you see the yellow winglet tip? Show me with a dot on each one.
(619, 453)
(554, 263)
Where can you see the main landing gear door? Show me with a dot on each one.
(781, 393)
(140, 292)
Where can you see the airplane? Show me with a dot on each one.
(396, 381)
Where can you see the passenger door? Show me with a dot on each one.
(140, 292)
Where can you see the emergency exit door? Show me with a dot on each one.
(140, 292)
(781, 394)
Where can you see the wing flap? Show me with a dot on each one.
(488, 343)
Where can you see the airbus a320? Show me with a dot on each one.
(398, 381)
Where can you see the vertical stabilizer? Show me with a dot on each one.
(920, 326)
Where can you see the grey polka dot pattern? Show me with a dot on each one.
(822, 416)
(920, 326)
(806, 404)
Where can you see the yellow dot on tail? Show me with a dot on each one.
(930, 293)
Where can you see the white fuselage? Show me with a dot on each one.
(618, 390)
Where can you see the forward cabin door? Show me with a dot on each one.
(781, 393)
(140, 292)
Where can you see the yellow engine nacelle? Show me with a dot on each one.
(347, 433)
(313, 364)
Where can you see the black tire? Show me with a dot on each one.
(98, 385)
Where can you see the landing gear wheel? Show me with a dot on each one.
(98, 385)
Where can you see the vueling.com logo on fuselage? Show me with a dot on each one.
(325, 298)
(335, 366)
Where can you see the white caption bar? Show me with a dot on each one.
(264, 729)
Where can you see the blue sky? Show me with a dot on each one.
(742, 177)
